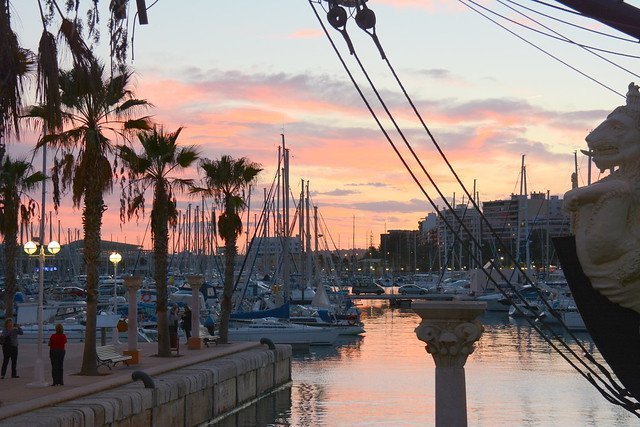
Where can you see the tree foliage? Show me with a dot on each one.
(226, 181)
(97, 109)
(17, 179)
(155, 168)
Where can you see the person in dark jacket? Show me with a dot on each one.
(186, 321)
(173, 320)
(57, 343)
(10, 347)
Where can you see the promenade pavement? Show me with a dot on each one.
(16, 397)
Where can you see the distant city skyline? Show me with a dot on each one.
(238, 74)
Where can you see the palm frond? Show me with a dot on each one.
(82, 55)
(143, 123)
(31, 181)
(16, 180)
(130, 103)
(15, 65)
(182, 185)
(67, 139)
(187, 155)
(48, 84)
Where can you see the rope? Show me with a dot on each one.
(624, 402)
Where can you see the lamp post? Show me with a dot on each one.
(115, 258)
(30, 248)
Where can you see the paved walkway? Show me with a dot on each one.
(16, 397)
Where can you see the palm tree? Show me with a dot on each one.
(15, 65)
(16, 180)
(95, 108)
(155, 167)
(226, 181)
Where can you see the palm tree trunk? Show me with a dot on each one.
(92, 222)
(10, 255)
(230, 251)
(160, 231)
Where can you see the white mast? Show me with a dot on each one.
(308, 254)
(285, 206)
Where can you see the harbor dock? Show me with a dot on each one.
(190, 388)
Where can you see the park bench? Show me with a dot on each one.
(108, 356)
(207, 338)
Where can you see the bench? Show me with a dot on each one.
(108, 356)
(207, 338)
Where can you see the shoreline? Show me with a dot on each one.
(19, 400)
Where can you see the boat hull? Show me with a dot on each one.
(614, 329)
(300, 335)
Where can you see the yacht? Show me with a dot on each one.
(282, 332)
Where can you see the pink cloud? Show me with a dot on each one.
(428, 5)
(334, 142)
(306, 33)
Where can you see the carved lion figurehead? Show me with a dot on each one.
(616, 141)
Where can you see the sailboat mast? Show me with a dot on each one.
(527, 248)
(353, 246)
(276, 228)
(520, 213)
(246, 243)
(301, 217)
(308, 238)
(285, 205)
(315, 228)
(546, 252)
(203, 247)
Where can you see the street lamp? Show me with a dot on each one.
(30, 248)
(115, 258)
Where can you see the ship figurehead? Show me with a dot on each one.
(606, 214)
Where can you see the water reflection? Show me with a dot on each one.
(387, 378)
(272, 410)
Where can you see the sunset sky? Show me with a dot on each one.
(237, 74)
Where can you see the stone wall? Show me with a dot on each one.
(187, 396)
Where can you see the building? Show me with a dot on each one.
(521, 222)
(399, 250)
(457, 229)
(269, 251)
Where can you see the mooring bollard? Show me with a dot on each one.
(144, 377)
(268, 342)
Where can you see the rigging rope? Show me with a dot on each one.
(559, 37)
(571, 23)
(615, 390)
(543, 51)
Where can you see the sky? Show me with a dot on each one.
(238, 74)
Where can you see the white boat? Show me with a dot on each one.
(325, 317)
(342, 326)
(495, 302)
(302, 296)
(72, 329)
(74, 333)
(573, 320)
(282, 332)
(568, 313)
(530, 309)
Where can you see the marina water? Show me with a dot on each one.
(386, 378)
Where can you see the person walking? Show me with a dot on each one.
(173, 326)
(57, 343)
(9, 339)
(186, 321)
